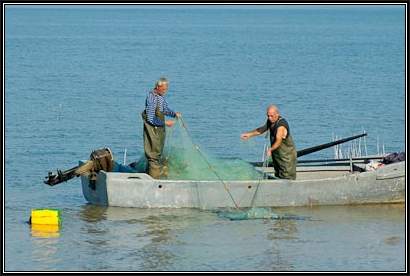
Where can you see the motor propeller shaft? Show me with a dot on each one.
(101, 159)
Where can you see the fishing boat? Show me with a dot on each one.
(319, 182)
(327, 185)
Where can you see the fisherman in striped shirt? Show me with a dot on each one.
(156, 108)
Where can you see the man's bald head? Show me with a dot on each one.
(272, 107)
(272, 112)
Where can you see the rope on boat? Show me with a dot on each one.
(209, 164)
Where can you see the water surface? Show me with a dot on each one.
(76, 80)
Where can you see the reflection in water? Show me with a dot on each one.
(281, 231)
(144, 235)
(92, 213)
(45, 230)
(45, 246)
(359, 233)
(136, 239)
(392, 240)
(162, 226)
(155, 255)
(96, 232)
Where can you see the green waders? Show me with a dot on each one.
(154, 140)
(284, 159)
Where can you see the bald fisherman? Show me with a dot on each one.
(282, 148)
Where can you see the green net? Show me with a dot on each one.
(252, 213)
(186, 161)
(257, 213)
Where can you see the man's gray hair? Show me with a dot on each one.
(161, 82)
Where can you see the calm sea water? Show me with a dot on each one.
(76, 80)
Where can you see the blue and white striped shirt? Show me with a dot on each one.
(154, 99)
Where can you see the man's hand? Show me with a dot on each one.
(269, 152)
(169, 123)
(178, 114)
(245, 136)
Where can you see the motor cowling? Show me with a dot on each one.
(103, 159)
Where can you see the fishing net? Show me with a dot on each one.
(257, 213)
(251, 213)
(186, 161)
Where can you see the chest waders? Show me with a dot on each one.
(284, 157)
(154, 140)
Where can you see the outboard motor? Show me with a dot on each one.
(101, 159)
